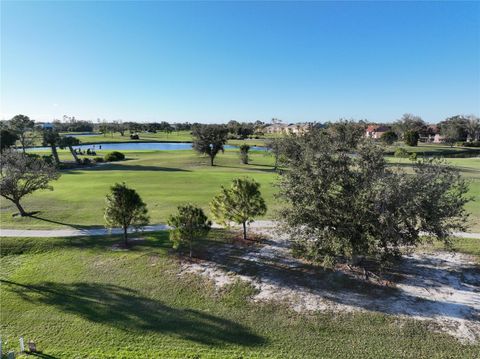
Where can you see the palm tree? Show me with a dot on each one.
(69, 142)
(51, 138)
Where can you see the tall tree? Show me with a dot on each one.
(409, 122)
(22, 174)
(240, 203)
(23, 126)
(244, 149)
(51, 138)
(343, 206)
(189, 224)
(125, 208)
(7, 138)
(209, 139)
(472, 127)
(69, 142)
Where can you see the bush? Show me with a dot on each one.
(471, 144)
(114, 156)
(389, 137)
(86, 161)
(401, 152)
(134, 137)
(411, 138)
(412, 156)
(98, 159)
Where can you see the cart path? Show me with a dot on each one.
(73, 232)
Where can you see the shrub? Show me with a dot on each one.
(389, 137)
(114, 156)
(134, 137)
(86, 161)
(412, 156)
(98, 159)
(401, 152)
(472, 144)
(411, 138)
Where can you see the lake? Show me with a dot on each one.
(138, 146)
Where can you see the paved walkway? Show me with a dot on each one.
(72, 232)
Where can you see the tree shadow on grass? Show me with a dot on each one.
(111, 166)
(348, 289)
(126, 309)
(76, 226)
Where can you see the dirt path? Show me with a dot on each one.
(441, 287)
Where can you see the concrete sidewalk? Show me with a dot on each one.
(99, 231)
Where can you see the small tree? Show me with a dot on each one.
(52, 138)
(209, 139)
(244, 153)
(240, 203)
(411, 138)
(22, 174)
(125, 208)
(274, 147)
(22, 126)
(69, 142)
(189, 224)
(7, 139)
(389, 137)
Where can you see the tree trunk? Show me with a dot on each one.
(190, 249)
(55, 154)
(74, 154)
(125, 236)
(20, 209)
(244, 231)
(211, 160)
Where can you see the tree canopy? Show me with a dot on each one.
(23, 174)
(189, 224)
(240, 203)
(209, 139)
(348, 203)
(125, 208)
(23, 126)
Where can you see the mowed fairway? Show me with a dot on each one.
(78, 298)
(164, 179)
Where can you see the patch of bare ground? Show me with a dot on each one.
(440, 287)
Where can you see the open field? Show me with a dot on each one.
(166, 179)
(106, 303)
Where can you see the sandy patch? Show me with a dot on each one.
(441, 287)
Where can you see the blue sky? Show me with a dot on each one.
(213, 62)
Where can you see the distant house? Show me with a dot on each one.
(433, 135)
(295, 128)
(376, 131)
(276, 128)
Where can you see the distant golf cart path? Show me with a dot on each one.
(72, 232)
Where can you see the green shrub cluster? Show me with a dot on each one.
(114, 156)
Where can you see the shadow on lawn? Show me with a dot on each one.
(126, 309)
(123, 167)
(76, 226)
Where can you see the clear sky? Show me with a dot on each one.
(213, 62)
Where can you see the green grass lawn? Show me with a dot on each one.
(177, 136)
(77, 298)
(164, 179)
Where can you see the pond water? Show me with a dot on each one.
(155, 146)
